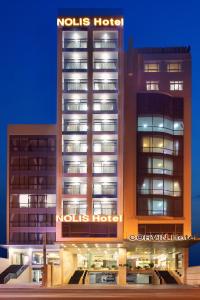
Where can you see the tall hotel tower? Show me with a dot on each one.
(122, 212)
(90, 127)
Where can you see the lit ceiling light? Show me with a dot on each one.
(145, 125)
(160, 125)
(85, 245)
(96, 245)
(160, 184)
(76, 180)
(176, 125)
(105, 36)
(76, 36)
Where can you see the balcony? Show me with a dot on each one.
(105, 65)
(74, 126)
(104, 126)
(75, 167)
(105, 85)
(75, 44)
(71, 64)
(104, 168)
(104, 190)
(105, 207)
(75, 207)
(105, 44)
(73, 147)
(103, 147)
(75, 85)
(109, 106)
(75, 188)
(73, 106)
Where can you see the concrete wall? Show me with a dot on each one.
(68, 263)
(193, 275)
(56, 275)
(24, 278)
(4, 263)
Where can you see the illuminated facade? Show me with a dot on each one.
(123, 162)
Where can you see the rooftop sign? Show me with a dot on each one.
(86, 21)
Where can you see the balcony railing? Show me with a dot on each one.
(107, 209)
(75, 147)
(75, 65)
(70, 168)
(70, 106)
(73, 44)
(105, 147)
(77, 127)
(105, 85)
(108, 106)
(104, 190)
(100, 168)
(112, 127)
(110, 44)
(73, 85)
(102, 65)
(80, 189)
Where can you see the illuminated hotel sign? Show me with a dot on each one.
(160, 237)
(87, 218)
(85, 21)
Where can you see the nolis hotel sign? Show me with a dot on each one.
(85, 21)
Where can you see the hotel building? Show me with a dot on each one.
(123, 164)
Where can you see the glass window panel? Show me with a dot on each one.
(151, 67)
(145, 123)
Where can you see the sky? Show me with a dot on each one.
(28, 62)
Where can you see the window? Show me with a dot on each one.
(176, 85)
(151, 67)
(160, 166)
(160, 124)
(75, 207)
(160, 187)
(104, 207)
(152, 85)
(174, 67)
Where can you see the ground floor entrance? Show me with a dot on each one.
(124, 263)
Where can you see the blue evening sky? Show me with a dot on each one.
(28, 65)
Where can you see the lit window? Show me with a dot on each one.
(176, 85)
(151, 67)
(152, 85)
(174, 67)
(157, 207)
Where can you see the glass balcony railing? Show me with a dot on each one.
(108, 208)
(102, 167)
(75, 189)
(108, 106)
(78, 208)
(77, 127)
(75, 85)
(75, 147)
(71, 106)
(105, 85)
(100, 190)
(108, 65)
(107, 43)
(74, 43)
(75, 65)
(105, 147)
(111, 127)
(75, 168)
